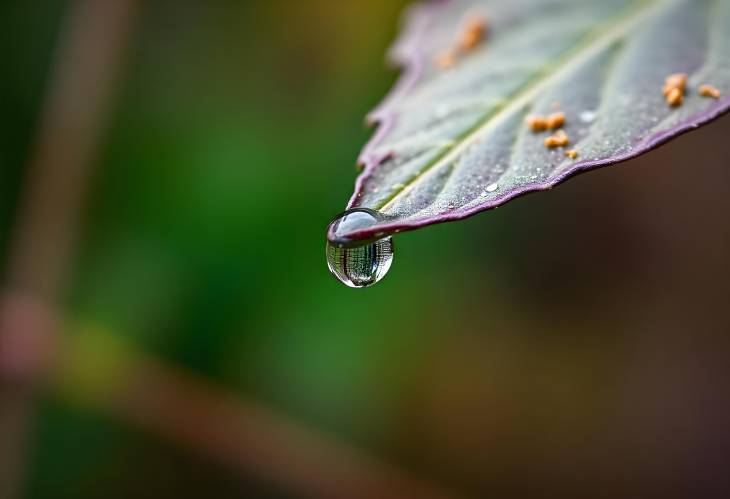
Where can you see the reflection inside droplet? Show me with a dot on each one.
(363, 265)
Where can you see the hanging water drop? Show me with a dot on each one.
(357, 266)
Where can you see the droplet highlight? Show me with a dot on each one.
(357, 266)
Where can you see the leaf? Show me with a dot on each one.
(453, 142)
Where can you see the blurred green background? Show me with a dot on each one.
(572, 342)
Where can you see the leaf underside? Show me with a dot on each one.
(452, 143)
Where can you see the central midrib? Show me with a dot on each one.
(594, 42)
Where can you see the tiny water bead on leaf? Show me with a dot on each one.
(360, 265)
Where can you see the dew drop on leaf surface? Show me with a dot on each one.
(358, 266)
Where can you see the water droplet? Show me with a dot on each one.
(358, 266)
(492, 187)
(588, 116)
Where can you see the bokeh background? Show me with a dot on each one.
(171, 329)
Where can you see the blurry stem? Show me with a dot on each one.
(72, 120)
(98, 369)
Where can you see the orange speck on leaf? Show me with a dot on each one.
(536, 123)
(556, 120)
(674, 88)
(558, 139)
(473, 33)
(709, 91)
(676, 80)
(675, 97)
